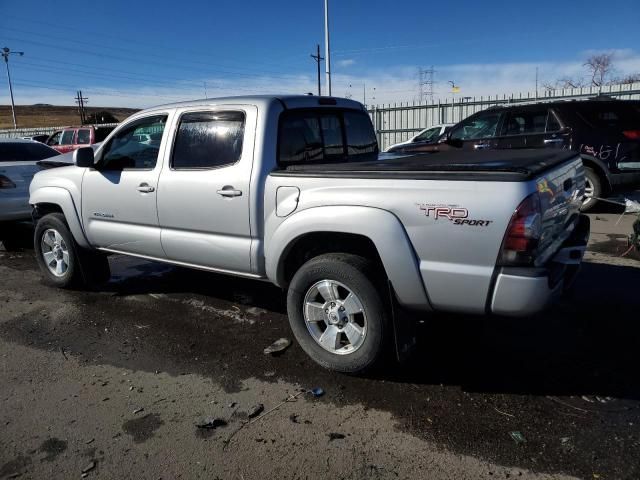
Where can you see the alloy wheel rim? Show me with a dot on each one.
(55, 252)
(588, 191)
(335, 317)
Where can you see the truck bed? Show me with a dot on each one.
(487, 165)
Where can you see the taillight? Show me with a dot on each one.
(6, 182)
(523, 234)
(632, 134)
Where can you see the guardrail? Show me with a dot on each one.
(29, 132)
(398, 122)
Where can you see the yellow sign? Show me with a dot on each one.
(455, 89)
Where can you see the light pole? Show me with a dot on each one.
(327, 51)
(5, 54)
(454, 89)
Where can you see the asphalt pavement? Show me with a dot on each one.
(155, 375)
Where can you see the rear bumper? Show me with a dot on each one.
(525, 291)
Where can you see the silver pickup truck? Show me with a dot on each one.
(291, 189)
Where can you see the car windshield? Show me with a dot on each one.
(14, 152)
(428, 135)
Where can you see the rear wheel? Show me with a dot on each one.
(337, 313)
(592, 188)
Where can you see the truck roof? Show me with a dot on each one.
(287, 101)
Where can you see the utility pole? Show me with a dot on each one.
(425, 84)
(327, 50)
(536, 83)
(5, 54)
(318, 59)
(80, 100)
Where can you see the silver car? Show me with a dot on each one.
(18, 164)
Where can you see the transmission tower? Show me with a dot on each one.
(425, 83)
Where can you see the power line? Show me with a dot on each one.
(318, 59)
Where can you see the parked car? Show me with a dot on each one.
(42, 138)
(18, 164)
(424, 137)
(290, 190)
(71, 138)
(605, 132)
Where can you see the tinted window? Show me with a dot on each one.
(525, 122)
(13, 152)
(428, 135)
(318, 137)
(610, 115)
(101, 133)
(553, 125)
(67, 137)
(208, 139)
(479, 126)
(125, 150)
(54, 139)
(362, 143)
(84, 136)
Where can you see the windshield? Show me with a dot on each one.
(15, 152)
(428, 135)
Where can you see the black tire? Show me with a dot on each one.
(359, 276)
(84, 267)
(591, 177)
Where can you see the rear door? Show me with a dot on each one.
(535, 126)
(204, 194)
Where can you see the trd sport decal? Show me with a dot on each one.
(455, 214)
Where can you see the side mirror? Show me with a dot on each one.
(83, 157)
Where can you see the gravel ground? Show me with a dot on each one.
(114, 383)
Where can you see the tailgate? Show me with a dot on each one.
(560, 190)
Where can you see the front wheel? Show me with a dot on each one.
(62, 261)
(337, 312)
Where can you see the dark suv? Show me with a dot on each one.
(604, 131)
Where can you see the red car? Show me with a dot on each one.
(72, 138)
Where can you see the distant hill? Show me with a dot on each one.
(53, 115)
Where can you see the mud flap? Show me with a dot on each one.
(404, 328)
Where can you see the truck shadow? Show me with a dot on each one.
(586, 345)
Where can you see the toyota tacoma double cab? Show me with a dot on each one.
(290, 189)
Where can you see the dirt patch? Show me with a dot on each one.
(143, 428)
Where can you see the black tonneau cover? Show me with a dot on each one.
(487, 165)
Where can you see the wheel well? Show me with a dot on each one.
(311, 245)
(596, 167)
(42, 209)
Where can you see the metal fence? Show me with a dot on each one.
(30, 132)
(400, 121)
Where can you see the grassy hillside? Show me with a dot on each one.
(52, 115)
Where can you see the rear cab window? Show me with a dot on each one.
(308, 136)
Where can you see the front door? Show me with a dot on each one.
(119, 195)
(204, 197)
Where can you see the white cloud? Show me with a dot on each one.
(347, 62)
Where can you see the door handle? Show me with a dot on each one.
(481, 146)
(229, 191)
(547, 141)
(145, 188)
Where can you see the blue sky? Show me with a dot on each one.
(144, 53)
